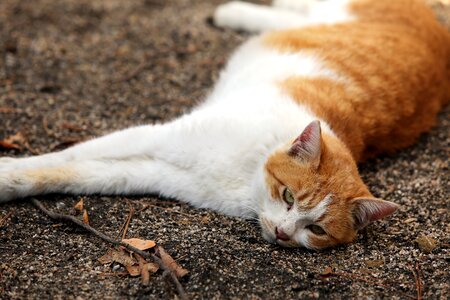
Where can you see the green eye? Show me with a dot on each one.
(316, 229)
(288, 197)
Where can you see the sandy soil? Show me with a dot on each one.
(75, 69)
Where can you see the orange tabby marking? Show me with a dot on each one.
(395, 61)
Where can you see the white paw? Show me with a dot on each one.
(226, 15)
(240, 15)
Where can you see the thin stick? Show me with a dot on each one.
(130, 215)
(67, 218)
(3, 220)
(124, 227)
(419, 283)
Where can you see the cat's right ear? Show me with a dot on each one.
(307, 147)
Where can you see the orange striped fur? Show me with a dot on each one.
(396, 65)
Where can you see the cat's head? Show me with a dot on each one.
(314, 196)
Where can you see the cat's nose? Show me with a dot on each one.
(281, 235)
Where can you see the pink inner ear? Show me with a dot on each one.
(307, 146)
(371, 209)
(306, 134)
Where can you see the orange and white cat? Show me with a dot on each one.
(325, 85)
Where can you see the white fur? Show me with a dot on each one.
(211, 157)
(283, 14)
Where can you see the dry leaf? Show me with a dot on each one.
(152, 267)
(13, 142)
(133, 270)
(145, 275)
(140, 244)
(85, 217)
(143, 269)
(119, 256)
(374, 263)
(327, 272)
(170, 262)
(5, 145)
(426, 243)
(106, 259)
(16, 141)
(79, 206)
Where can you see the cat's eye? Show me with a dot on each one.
(316, 229)
(288, 197)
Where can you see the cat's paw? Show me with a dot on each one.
(226, 15)
(240, 15)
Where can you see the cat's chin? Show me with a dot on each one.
(288, 244)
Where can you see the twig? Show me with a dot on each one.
(3, 220)
(63, 217)
(419, 284)
(124, 228)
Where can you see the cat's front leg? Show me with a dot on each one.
(8, 164)
(124, 144)
(83, 177)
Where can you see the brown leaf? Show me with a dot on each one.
(140, 244)
(143, 269)
(5, 145)
(85, 217)
(106, 259)
(13, 142)
(133, 270)
(374, 263)
(145, 275)
(79, 206)
(170, 262)
(426, 243)
(71, 127)
(117, 255)
(152, 267)
(327, 272)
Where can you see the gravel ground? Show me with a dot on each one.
(75, 69)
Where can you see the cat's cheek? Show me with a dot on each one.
(301, 237)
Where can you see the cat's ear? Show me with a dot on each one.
(307, 146)
(367, 210)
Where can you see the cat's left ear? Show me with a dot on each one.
(307, 146)
(367, 210)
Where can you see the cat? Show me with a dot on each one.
(323, 85)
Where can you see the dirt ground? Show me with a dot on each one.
(74, 69)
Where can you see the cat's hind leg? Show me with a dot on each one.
(318, 11)
(255, 18)
(282, 15)
(128, 143)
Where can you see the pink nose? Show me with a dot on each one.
(281, 235)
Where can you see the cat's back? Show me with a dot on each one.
(394, 67)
